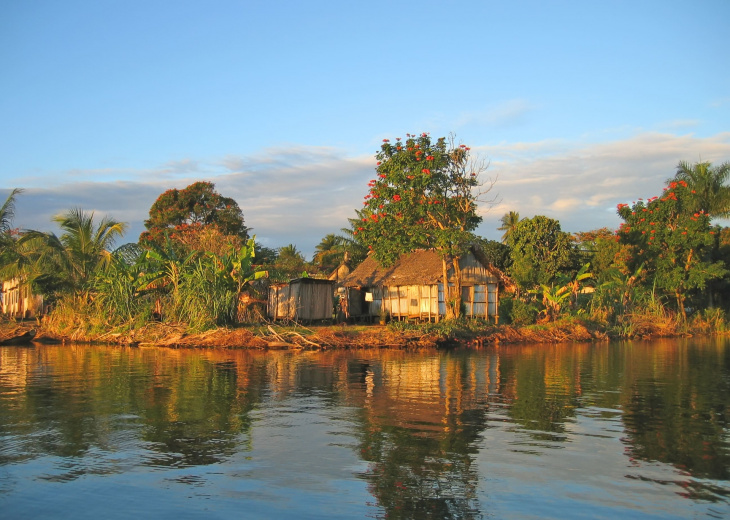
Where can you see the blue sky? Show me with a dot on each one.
(576, 106)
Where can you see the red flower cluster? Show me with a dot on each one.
(396, 197)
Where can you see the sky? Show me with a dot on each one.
(575, 106)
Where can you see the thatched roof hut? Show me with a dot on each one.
(413, 286)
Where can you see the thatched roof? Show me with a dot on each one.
(417, 268)
(421, 267)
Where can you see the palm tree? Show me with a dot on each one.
(708, 186)
(509, 223)
(81, 249)
(7, 212)
(330, 252)
(7, 241)
(17, 258)
(356, 250)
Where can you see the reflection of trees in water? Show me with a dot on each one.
(421, 423)
(197, 418)
(189, 407)
(416, 476)
(420, 415)
(676, 404)
(543, 384)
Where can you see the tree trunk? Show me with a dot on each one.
(457, 286)
(452, 295)
(680, 306)
(445, 282)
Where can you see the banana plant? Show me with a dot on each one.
(564, 291)
(242, 270)
(165, 267)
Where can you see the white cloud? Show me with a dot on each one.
(506, 114)
(573, 183)
(298, 194)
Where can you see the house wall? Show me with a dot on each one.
(278, 304)
(301, 301)
(427, 301)
(479, 294)
(314, 301)
(18, 301)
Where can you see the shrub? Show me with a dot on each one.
(523, 313)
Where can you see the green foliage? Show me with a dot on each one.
(8, 236)
(495, 253)
(65, 264)
(290, 263)
(710, 321)
(329, 253)
(423, 197)
(523, 313)
(707, 189)
(509, 222)
(673, 244)
(265, 255)
(117, 299)
(600, 248)
(185, 215)
(7, 213)
(84, 246)
(200, 289)
(540, 252)
(562, 294)
(616, 294)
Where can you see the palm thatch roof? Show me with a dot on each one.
(422, 267)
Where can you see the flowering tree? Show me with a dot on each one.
(708, 189)
(673, 243)
(425, 196)
(196, 218)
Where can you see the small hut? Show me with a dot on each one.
(412, 288)
(18, 301)
(302, 299)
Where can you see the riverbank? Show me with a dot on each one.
(398, 335)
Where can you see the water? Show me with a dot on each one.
(637, 430)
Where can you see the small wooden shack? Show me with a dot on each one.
(412, 288)
(302, 299)
(18, 301)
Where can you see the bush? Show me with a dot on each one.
(523, 313)
(709, 321)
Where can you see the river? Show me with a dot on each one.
(606, 430)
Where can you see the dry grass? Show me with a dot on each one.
(557, 332)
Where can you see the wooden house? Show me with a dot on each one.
(340, 273)
(301, 299)
(18, 301)
(412, 288)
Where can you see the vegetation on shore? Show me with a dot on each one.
(195, 277)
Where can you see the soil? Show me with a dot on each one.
(297, 337)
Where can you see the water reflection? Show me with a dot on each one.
(419, 427)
